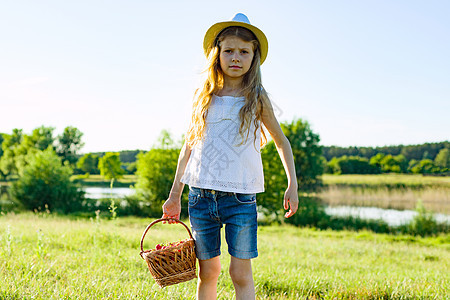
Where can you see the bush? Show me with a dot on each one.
(424, 223)
(311, 213)
(127, 206)
(156, 170)
(46, 182)
(352, 165)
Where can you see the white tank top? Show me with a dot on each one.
(220, 162)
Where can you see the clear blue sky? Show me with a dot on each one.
(362, 73)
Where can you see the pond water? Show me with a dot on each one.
(100, 192)
(392, 217)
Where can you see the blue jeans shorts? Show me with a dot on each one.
(209, 210)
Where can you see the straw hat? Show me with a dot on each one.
(238, 20)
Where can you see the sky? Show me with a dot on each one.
(361, 73)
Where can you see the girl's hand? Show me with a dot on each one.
(290, 201)
(172, 208)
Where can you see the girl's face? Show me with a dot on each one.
(235, 57)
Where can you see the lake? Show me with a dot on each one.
(392, 217)
(101, 192)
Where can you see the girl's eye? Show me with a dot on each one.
(244, 51)
(227, 51)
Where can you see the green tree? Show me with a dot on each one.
(110, 166)
(425, 166)
(10, 145)
(376, 160)
(156, 170)
(88, 163)
(388, 164)
(426, 155)
(395, 164)
(2, 175)
(46, 182)
(352, 165)
(307, 153)
(402, 163)
(334, 167)
(443, 158)
(130, 167)
(69, 143)
(275, 182)
(42, 137)
(308, 163)
(1, 142)
(165, 140)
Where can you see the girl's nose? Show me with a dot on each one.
(235, 58)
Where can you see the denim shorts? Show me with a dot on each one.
(209, 210)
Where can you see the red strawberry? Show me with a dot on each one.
(158, 247)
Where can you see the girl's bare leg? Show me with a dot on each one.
(242, 276)
(209, 272)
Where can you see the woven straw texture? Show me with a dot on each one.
(174, 264)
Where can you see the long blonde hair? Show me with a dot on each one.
(252, 89)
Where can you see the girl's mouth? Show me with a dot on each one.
(235, 67)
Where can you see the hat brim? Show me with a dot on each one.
(215, 29)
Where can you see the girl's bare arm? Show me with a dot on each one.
(172, 206)
(284, 149)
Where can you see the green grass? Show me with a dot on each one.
(387, 180)
(43, 256)
(98, 180)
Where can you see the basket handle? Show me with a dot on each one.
(161, 220)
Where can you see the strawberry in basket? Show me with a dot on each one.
(168, 245)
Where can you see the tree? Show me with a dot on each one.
(165, 140)
(110, 166)
(425, 166)
(45, 181)
(426, 155)
(89, 163)
(443, 158)
(402, 163)
(1, 142)
(376, 160)
(156, 170)
(42, 137)
(8, 161)
(307, 153)
(352, 165)
(389, 164)
(130, 167)
(69, 143)
(2, 175)
(308, 164)
(275, 181)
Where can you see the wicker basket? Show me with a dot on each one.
(171, 265)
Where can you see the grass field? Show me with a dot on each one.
(43, 256)
(390, 191)
(98, 180)
(387, 180)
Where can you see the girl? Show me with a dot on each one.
(221, 161)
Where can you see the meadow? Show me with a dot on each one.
(389, 191)
(391, 180)
(45, 256)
